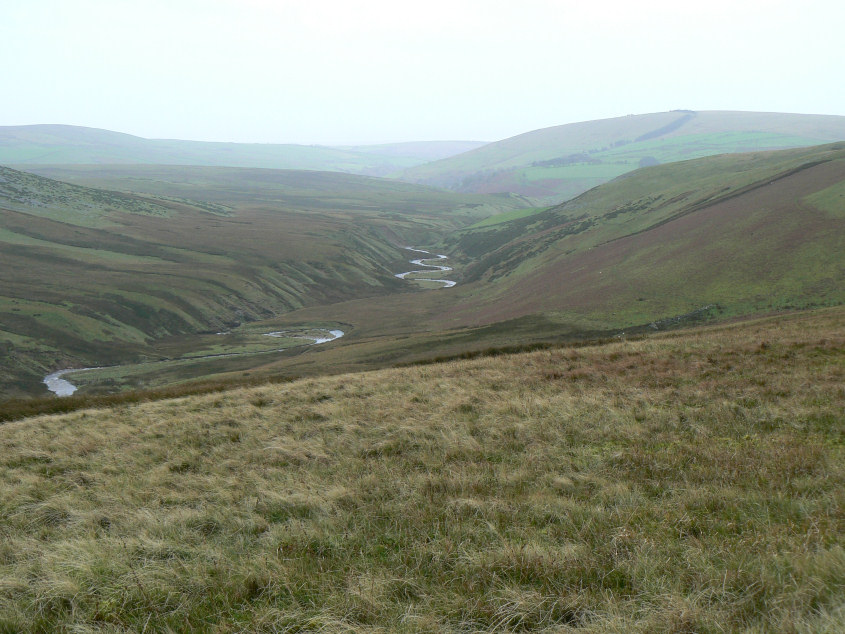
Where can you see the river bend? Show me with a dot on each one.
(422, 262)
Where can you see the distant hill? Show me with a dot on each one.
(63, 144)
(560, 162)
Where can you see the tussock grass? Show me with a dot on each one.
(689, 482)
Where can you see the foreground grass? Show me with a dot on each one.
(688, 482)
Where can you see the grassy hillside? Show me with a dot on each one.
(561, 162)
(95, 277)
(690, 482)
(734, 233)
(45, 144)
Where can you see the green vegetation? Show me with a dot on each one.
(505, 217)
(682, 482)
(664, 246)
(557, 163)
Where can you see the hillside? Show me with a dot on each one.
(734, 233)
(563, 161)
(680, 483)
(63, 144)
(90, 276)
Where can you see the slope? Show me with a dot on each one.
(737, 233)
(563, 161)
(689, 482)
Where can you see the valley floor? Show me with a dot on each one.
(689, 481)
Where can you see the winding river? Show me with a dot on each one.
(62, 387)
(422, 262)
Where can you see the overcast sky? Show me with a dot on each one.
(345, 71)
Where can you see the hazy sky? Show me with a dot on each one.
(341, 71)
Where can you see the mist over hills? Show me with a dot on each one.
(65, 144)
(528, 450)
(563, 161)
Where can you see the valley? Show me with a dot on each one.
(619, 410)
(137, 267)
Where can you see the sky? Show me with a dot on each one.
(345, 72)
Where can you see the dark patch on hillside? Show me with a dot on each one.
(671, 127)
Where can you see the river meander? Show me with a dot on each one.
(422, 262)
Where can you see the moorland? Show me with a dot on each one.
(688, 481)
(626, 413)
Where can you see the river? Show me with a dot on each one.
(422, 262)
(62, 387)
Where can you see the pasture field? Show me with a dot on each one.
(684, 481)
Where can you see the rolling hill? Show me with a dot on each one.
(64, 144)
(661, 248)
(557, 163)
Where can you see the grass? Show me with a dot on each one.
(683, 482)
(505, 217)
(668, 240)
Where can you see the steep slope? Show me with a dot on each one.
(563, 161)
(62, 144)
(735, 233)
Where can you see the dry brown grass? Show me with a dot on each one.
(689, 482)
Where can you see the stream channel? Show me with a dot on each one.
(422, 262)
